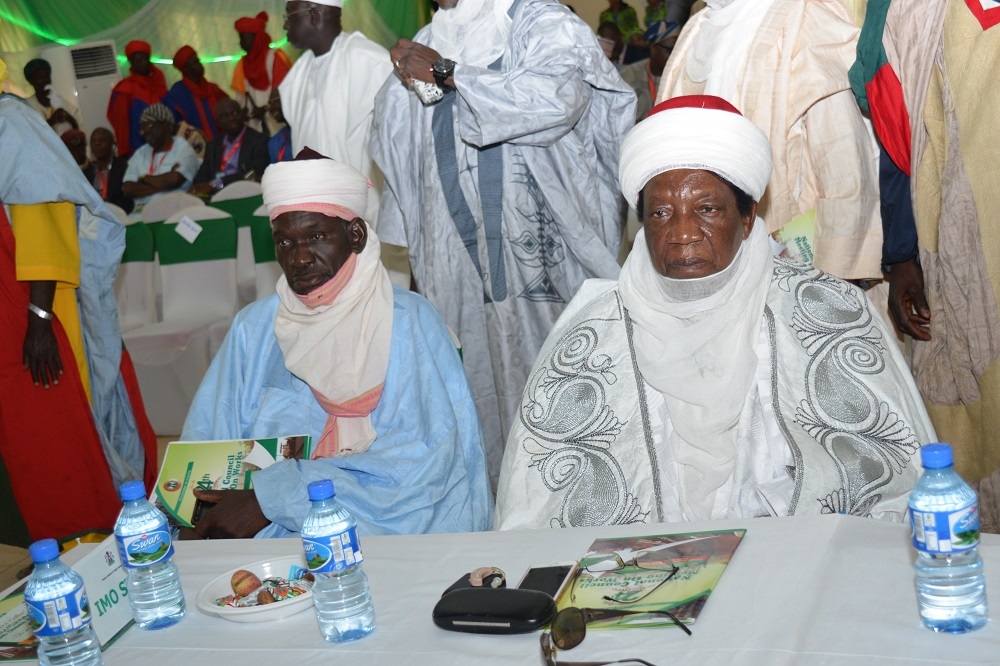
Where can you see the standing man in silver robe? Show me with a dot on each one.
(504, 190)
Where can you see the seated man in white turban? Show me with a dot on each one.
(712, 380)
(368, 370)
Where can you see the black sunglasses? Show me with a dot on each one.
(549, 656)
(569, 626)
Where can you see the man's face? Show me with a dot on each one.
(157, 133)
(140, 64)
(246, 41)
(193, 69)
(101, 143)
(39, 79)
(78, 149)
(693, 227)
(311, 247)
(229, 116)
(447, 4)
(299, 24)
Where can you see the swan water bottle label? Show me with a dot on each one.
(945, 531)
(52, 617)
(141, 550)
(332, 553)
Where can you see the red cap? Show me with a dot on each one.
(183, 55)
(256, 24)
(695, 102)
(138, 46)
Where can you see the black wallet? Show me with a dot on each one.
(488, 610)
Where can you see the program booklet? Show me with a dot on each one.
(217, 465)
(674, 572)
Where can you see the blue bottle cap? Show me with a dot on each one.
(936, 456)
(45, 550)
(321, 490)
(132, 490)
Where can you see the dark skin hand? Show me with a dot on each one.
(236, 515)
(152, 184)
(41, 351)
(907, 302)
(416, 61)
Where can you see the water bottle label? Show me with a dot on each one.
(142, 550)
(332, 553)
(52, 617)
(945, 531)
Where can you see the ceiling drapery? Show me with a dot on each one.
(26, 26)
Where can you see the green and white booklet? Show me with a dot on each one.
(217, 465)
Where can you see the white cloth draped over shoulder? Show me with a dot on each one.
(473, 32)
(695, 341)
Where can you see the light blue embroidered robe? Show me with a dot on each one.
(425, 472)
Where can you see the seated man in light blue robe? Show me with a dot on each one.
(368, 370)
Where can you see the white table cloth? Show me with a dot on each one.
(811, 590)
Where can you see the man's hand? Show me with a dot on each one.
(202, 189)
(416, 61)
(41, 352)
(907, 302)
(236, 515)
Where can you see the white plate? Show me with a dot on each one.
(273, 568)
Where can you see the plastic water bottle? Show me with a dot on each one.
(330, 538)
(154, 586)
(58, 611)
(944, 515)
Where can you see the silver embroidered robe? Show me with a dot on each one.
(582, 452)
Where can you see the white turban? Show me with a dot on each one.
(318, 186)
(328, 3)
(695, 132)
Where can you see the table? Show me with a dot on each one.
(802, 590)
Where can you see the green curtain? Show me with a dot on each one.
(29, 24)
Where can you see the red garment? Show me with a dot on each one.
(48, 439)
(138, 46)
(206, 91)
(146, 89)
(255, 62)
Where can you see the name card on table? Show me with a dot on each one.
(188, 229)
(110, 613)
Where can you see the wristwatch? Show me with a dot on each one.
(443, 68)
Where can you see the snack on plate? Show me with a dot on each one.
(252, 591)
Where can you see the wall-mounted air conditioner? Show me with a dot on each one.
(86, 73)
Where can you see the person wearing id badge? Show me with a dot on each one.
(236, 153)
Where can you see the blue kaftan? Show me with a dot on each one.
(425, 472)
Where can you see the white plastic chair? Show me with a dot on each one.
(265, 265)
(239, 199)
(166, 205)
(134, 292)
(199, 301)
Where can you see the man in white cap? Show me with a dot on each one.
(368, 370)
(165, 163)
(712, 380)
(329, 94)
(503, 191)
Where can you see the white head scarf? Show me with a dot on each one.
(337, 338)
(328, 3)
(695, 340)
(473, 32)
